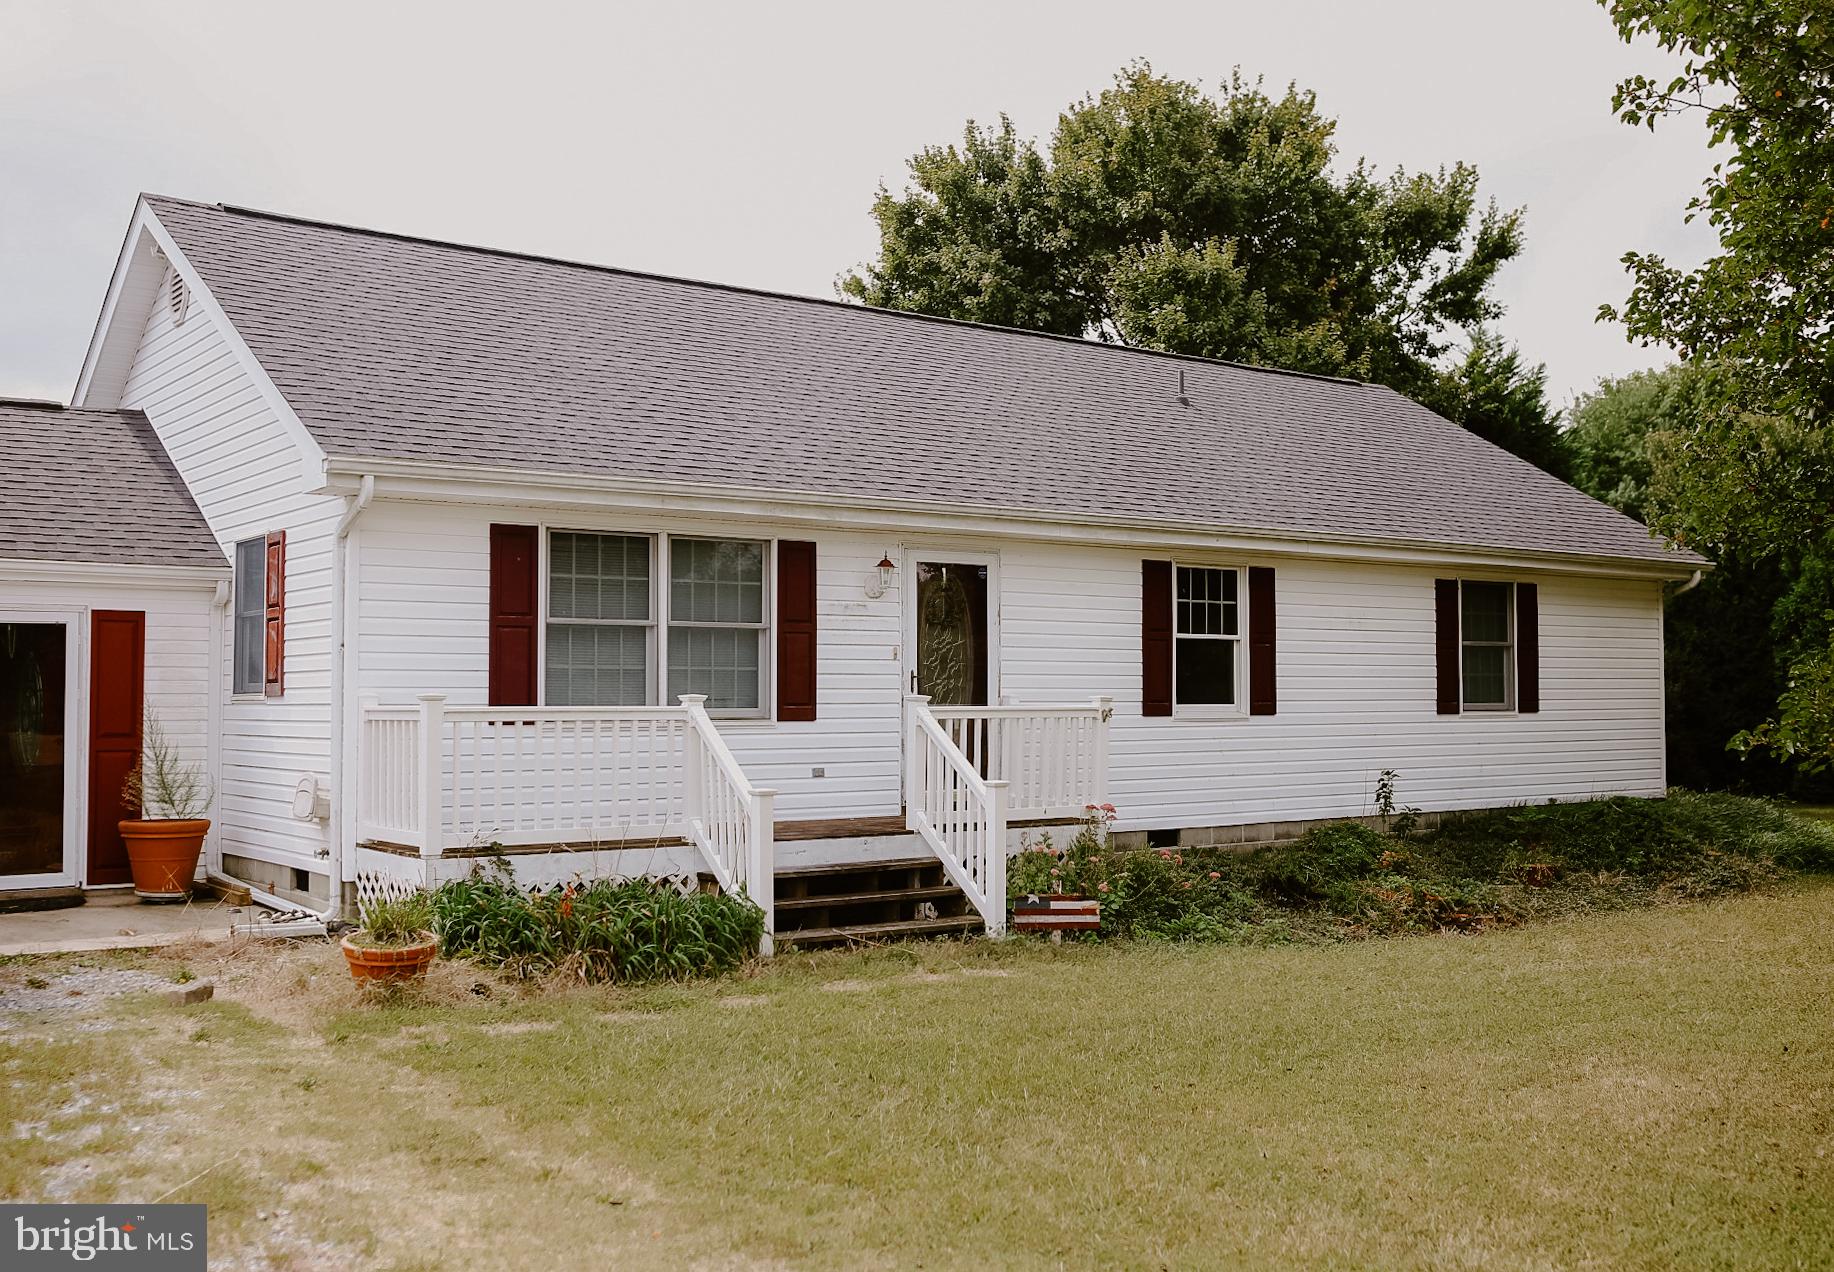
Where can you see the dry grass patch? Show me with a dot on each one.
(1647, 1090)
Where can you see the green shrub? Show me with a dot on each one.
(1321, 860)
(635, 930)
(1476, 870)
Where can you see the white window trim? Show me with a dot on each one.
(259, 692)
(1508, 705)
(766, 629)
(651, 626)
(1238, 710)
(916, 554)
(656, 671)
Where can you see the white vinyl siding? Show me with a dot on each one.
(245, 470)
(1355, 664)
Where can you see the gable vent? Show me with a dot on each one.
(178, 296)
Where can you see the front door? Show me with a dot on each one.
(949, 630)
(40, 750)
(117, 706)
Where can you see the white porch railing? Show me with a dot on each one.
(1053, 759)
(729, 819)
(957, 812)
(434, 778)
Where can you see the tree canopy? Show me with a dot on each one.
(1212, 225)
(1753, 478)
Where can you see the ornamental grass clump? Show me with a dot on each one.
(600, 931)
(395, 922)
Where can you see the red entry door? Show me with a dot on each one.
(117, 705)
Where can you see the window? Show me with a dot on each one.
(1485, 623)
(601, 620)
(248, 675)
(1206, 655)
(605, 642)
(717, 622)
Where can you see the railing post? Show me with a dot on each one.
(760, 862)
(432, 793)
(996, 859)
(1104, 712)
(694, 792)
(913, 753)
(367, 780)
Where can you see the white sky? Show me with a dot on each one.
(743, 142)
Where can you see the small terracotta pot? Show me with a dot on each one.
(370, 965)
(163, 856)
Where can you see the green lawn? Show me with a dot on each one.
(1650, 1089)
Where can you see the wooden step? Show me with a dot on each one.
(865, 898)
(859, 867)
(953, 925)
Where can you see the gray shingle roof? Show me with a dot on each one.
(399, 348)
(95, 487)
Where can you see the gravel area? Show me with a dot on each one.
(27, 992)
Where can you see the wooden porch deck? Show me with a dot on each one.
(783, 832)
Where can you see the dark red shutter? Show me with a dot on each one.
(274, 626)
(1445, 643)
(1528, 647)
(1262, 696)
(117, 705)
(795, 630)
(1156, 638)
(515, 591)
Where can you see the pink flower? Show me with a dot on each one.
(1101, 887)
(1177, 859)
(1106, 808)
(1165, 854)
(1089, 808)
(1215, 875)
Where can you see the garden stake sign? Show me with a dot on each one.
(1056, 913)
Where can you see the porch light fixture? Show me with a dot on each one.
(877, 589)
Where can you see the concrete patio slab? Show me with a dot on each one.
(116, 921)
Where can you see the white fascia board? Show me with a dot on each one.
(447, 483)
(146, 225)
(111, 301)
(105, 574)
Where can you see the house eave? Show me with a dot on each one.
(112, 573)
(442, 482)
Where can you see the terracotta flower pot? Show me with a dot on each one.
(373, 965)
(163, 856)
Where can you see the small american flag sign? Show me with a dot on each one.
(1054, 912)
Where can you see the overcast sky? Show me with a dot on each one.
(743, 143)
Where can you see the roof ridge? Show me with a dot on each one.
(232, 209)
(35, 404)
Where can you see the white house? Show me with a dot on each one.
(630, 573)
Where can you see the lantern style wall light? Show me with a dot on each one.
(882, 580)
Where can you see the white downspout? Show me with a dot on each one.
(213, 718)
(344, 614)
(1690, 585)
